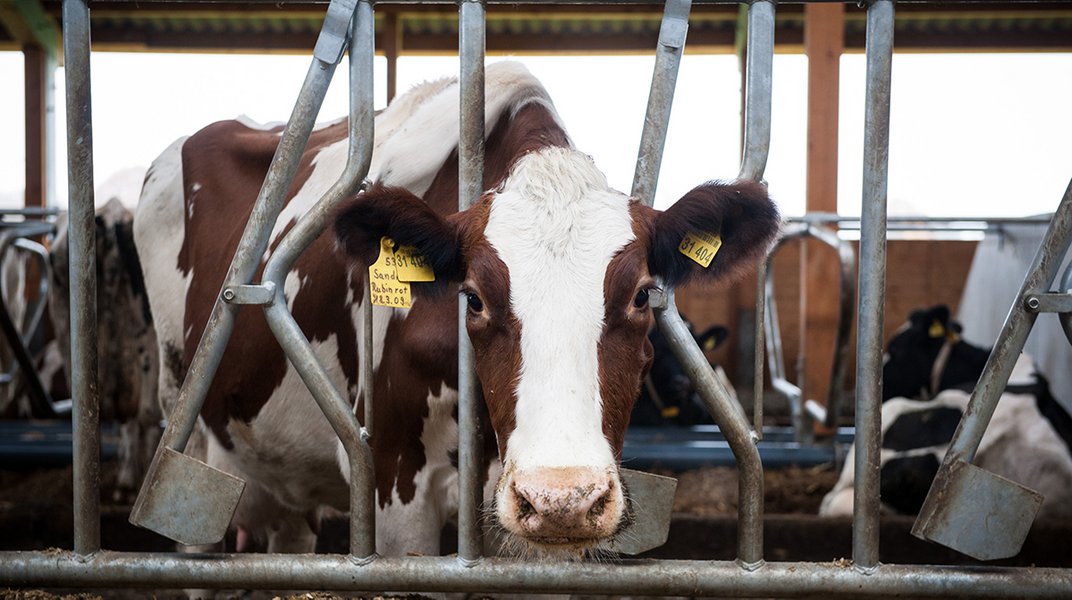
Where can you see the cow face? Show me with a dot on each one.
(555, 269)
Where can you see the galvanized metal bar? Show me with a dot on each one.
(758, 347)
(1066, 287)
(248, 255)
(287, 331)
(846, 298)
(85, 413)
(471, 50)
(1040, 276)
(872, 285)
(775, 357)
(675, 27)
(443, 574)
(731, 419)
(758, 78)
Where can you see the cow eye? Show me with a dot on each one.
(475, 304)
(641, 299)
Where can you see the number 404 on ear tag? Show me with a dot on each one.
(385, 287)
(701, 246)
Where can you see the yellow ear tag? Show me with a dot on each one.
(709, 344)
(700, 246)
(411, 265)
(936, 330)
(670, 412)
(387, 290)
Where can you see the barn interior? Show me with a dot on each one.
(971, 264)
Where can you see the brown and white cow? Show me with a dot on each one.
(555, 268)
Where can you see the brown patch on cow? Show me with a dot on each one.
(419, 359)
(223, 167)
(625, 352)
(496, 336)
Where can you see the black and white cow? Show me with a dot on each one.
(1026, 441)
(668, 396)
(128, 363)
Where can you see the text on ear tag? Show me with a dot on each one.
(411, 265)
(386, 288)
(700, 246)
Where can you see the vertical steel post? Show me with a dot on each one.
(758, 73)
(85, 413)
(675, 27)
(759, 65)
(872, 278)
(282, 322)
(471, 44)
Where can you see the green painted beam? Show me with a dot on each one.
(28, 23)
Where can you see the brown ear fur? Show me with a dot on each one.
(361, 222)
(740, 211)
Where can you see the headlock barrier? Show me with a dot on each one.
(193, 503)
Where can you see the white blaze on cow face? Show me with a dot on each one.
(556, 226)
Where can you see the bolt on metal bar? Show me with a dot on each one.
(305, 232)
(731, 419)
(672, 33)
(872, 278)
(85, 413)
(758, 73)
(471, 51)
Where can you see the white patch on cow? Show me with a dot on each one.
(436, 498)
(556, 225)
(159, 230)
(415, 135)
(283, 446)
(249, 122)
(1019, 444)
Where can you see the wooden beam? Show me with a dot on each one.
(392, 47)
(36, 92)
(824, 42)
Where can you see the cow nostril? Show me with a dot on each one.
(524, 507)
(599, 506)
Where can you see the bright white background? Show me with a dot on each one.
(972, 134)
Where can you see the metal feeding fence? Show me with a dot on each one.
(968, 509)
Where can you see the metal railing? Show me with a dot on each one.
(750, 575)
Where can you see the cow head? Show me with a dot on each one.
(555, 269)
(927, 355)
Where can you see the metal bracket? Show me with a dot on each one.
(263, 293)
(1050, 302)
(333, 34)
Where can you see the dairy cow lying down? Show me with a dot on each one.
(554, 268)
(1027, 440)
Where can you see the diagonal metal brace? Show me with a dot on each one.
(333, 34)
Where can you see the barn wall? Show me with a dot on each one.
(919, 273)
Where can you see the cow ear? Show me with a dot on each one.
(740, 213)
(396, 213)
(713, 337)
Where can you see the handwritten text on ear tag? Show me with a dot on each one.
(386, 288)
(411, 265)
(700, 246)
